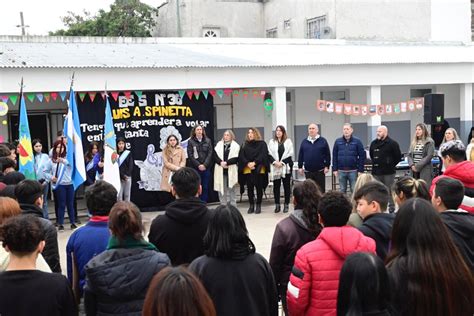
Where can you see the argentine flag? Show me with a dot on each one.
(75, 153)
(25, 150)
(111, 165)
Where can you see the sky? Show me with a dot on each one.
(44, 16)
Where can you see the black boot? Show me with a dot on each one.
(285, 208)
(277, 208)
(251, 208)
(258, 210)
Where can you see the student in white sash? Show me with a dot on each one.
(41, 160)
(226, 155)
(280, 149)
(59, 172)
(126, 167)
(93, 163)
(174, 158)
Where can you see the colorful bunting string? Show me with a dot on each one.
(46, 96)
(92, 95)
(62, 94)
(364, 109)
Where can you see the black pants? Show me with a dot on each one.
(286, 188)
(319, 177)
(255, 181)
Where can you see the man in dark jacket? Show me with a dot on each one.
(372, 200)
(29, 194)
(348, 156)
(385, 154)
(180, 232)
(447, 196)
(315, 156)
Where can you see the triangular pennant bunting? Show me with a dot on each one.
(127, 94)
(228, 92)
(262, 93)
(30, 96)
(189, 93)
(82, 95)
(255, 93)
(220, 93)
(114, 95)
(138, 94)
(92, 95)
(62, 95)
(4, 98)
(47, 96)
(245, 93)
(54, 95)
(39, 96)
(103, 94)
(205, 93)
(236, 93)
(197, 94)
(181, 93)
(212, 92)
(13, 98)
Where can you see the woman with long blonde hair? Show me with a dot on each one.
(226, 156)
(420, 154)
(174, 159)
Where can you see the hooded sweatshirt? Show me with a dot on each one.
(314, 279)
(180, 231)
(379, 227)
(460, 225)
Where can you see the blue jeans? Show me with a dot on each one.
(347, 176)
(205, 175)
(65, 195)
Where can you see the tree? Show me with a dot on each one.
(125, 18)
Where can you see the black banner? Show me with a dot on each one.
(145, 122)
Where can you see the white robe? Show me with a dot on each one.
(277, 173)
(232, 171)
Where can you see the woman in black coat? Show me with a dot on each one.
(117, 279)
(254, 166)
(239, 280)
(200, 152)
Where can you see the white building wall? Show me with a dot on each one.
(451, 20)
(235, 19)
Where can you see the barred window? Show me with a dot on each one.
(314, 27)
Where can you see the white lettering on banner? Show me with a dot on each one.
(197, 122)
(91, 128)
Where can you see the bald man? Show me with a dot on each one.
(385, 154)
(315, 157)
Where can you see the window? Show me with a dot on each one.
(211, 32)
(419, 93)
(334, 95)
(314, 27)
(272, 33)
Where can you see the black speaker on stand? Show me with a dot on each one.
(434, 109)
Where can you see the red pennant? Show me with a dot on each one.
(92, 95)
(54, 95)
(127, 94)
(212, 92)
(190, 93)
(227, 92)
(47, 96)
(114, 95)
(246, 93)
(197, 93)
(255, 93)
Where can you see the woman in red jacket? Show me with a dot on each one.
(314, 278)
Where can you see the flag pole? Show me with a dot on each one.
(62, 138)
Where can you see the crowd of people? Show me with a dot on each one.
(378, 246)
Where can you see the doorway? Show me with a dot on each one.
(39, 128)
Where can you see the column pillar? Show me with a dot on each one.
(466, 110)
(278, 115)
(374, 96)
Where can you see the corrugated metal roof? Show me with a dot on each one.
(53, 52)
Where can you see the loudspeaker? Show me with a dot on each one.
(434, 108)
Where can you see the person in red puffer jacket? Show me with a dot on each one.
(453, 154)
(314, 278)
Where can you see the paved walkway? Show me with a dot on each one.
(260, 227)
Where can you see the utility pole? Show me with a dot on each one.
(22, 24)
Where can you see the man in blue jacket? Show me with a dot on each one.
(348, 156)
(315, 156)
